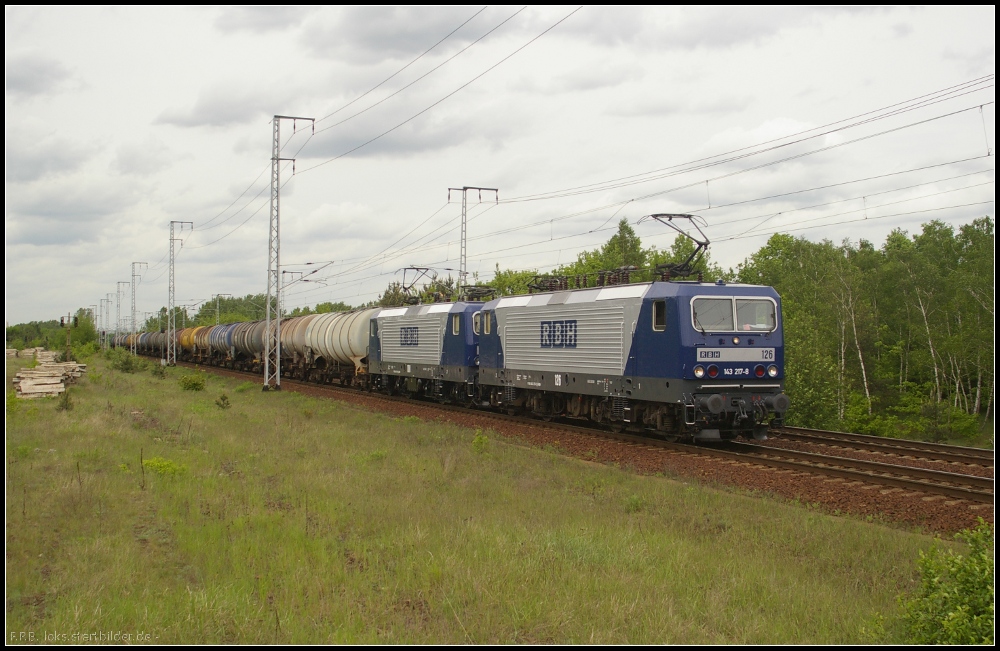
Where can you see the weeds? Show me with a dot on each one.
(158, 371)
(244, 386)
(634, 504)
(65, 402)
(222, 402)
(480, 443)
(164, 467)
(355, 527)
(192, 382)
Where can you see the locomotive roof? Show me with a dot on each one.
(656, 289)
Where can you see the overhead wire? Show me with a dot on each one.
(361, 268)
(460, 88)
(390, 77)
(918, 102)
(429, 72)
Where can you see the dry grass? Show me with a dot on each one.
(296, 520)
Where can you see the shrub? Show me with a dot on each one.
(162, 466)
(955, 602)
(193, 382)
(223, 402)
(65, 402)
(158, 370)
(124, 361)
(480, 443)
(85, 351)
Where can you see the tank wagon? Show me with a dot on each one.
(680, 359)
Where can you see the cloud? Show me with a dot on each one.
(30, 75)
(902, 29)
(64, 212)
(30, 159)
(654, 106)
(225, 106)
(976, 61)
(690, 28)
(260, 20)
(597, 75)
(430, 132)
(142, 159)
(373, 34)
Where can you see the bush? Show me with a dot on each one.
(193, 382)
(158, 370)
(124, 361)
(85, 351)
(955, 602)
(223, 402)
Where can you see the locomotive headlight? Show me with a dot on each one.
(772, 370)
(736, 341)
(699, 371)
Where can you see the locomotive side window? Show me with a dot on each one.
(477, 320)
(712, 314)
(487, 323)
(659, 316)
(374, 328)
(755, 315)
(456, 321)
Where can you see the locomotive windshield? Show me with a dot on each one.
(715, 314)
(731, 314)
(754, 314)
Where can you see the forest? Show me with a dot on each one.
(892, 340)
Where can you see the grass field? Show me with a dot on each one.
(283, 518)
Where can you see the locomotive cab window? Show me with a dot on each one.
(487, 322)
(659, 316)
(712, 314)
(477, 319)
(456, 322)
(755, 315)
(374, 327)
(734, 314)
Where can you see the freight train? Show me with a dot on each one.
(675, 359)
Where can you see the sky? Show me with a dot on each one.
(823, 123)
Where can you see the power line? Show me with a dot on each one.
(429, 72)
(463, 86)
(920, 102)
(379, 84)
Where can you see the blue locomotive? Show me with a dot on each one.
(681, 359)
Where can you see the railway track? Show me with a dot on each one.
(900, 447)
(956, 486)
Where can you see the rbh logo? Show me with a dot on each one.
(409, 336)
(558, 334)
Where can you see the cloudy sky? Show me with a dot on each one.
(823, 123)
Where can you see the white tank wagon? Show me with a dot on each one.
(336, 345)
(295, 357)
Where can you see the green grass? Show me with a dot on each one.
(147, 508)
